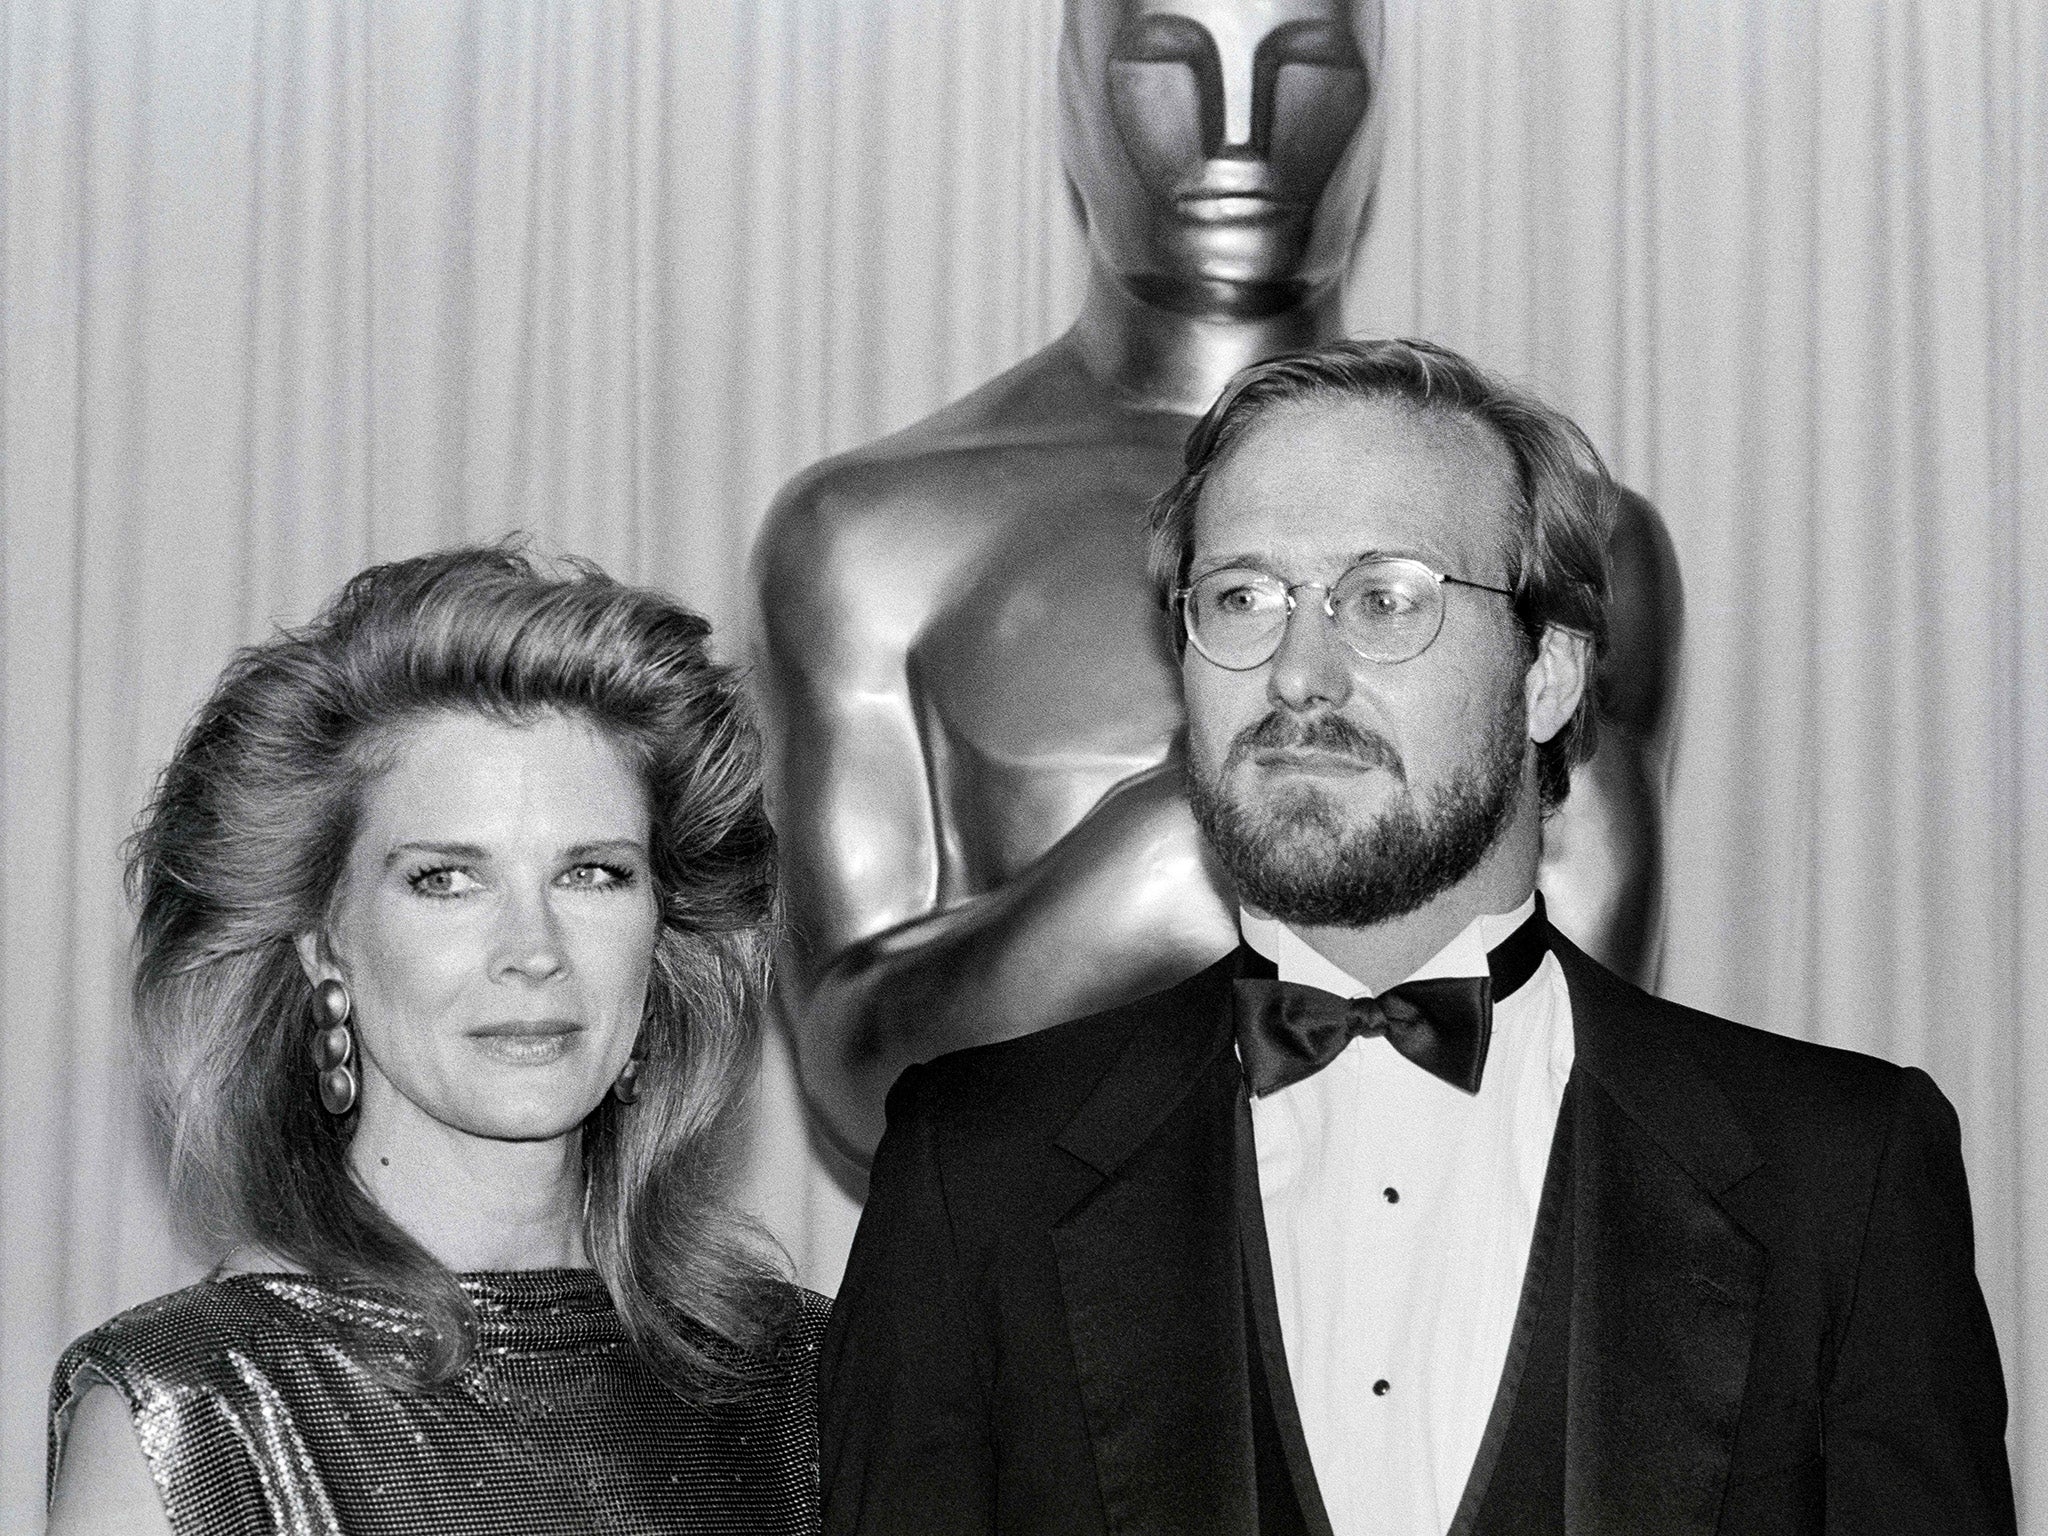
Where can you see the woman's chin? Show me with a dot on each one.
(522, 1105)
(535, 1122)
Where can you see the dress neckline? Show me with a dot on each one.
(516, 1309)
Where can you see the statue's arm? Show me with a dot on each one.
(1122, 905)
(1603, 873)
(882, 967)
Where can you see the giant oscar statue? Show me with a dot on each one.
(969, 690)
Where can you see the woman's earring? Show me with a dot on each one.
(334, 1047)
(627, 1088)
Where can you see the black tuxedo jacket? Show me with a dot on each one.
(1750, 1305)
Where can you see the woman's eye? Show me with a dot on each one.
(596, 877)
(445, 880)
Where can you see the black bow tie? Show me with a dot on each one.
(1287, 1031)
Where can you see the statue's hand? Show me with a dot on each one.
(1141, 844)
(1129, 901)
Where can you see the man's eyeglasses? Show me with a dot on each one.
(1385, 609)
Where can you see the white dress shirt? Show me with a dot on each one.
(1399, 1210)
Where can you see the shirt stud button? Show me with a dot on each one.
(1381, 1387)
(1393, 1195)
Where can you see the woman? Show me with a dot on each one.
(452, 946)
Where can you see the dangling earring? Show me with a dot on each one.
(334, 1047)
(627, 1088)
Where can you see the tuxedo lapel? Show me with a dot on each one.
(1298, 1505)
(1151, 1277)
(1524, 1430)
(1665, 1282)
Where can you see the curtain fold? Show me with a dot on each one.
(288, 286)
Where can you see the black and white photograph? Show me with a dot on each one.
(886, 767)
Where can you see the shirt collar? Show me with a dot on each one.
(1296, 961)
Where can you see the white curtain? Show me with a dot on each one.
(287, 286)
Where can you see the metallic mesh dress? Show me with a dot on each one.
(257, 1412)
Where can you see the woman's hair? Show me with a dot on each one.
(244, 842)
(1568, 500)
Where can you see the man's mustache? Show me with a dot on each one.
(1283, 731)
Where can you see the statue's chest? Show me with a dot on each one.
(1048, 677)
(1055, 648)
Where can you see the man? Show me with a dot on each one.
(968, 703)
(1504, 1245)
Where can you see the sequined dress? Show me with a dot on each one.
(256, 1410)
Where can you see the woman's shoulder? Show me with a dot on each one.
(172, 1335)
(801, 1317)
(808, 1314)
(770, 1380)
(224, 1336)
(183, 1366)
(783, 1356)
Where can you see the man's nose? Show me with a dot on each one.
(1313, 665)
(529, 940)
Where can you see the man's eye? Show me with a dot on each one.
(1381, 602)
(1239, 599)
(444, 880)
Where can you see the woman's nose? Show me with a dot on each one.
(529, 940)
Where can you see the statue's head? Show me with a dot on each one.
(1222, 149)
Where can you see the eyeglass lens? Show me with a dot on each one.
(1385, 610)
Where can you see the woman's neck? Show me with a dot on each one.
(472, 1202)
(1169, 361)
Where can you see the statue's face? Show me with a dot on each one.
(1218, 145)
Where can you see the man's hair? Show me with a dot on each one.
(245, 840)
(1567, 498)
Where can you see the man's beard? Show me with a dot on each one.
(1296, 858)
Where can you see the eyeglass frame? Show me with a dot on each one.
(1179, 598)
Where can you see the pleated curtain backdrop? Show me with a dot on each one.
(295, 285)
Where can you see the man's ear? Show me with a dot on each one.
(314, 959)
(1557, 679)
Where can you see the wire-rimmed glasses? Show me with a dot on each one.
(1386, 609)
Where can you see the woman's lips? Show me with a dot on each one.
(527, 1042)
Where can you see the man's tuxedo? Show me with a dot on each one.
(1750, 1305)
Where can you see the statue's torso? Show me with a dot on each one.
(1044, 672)
(1008, 665)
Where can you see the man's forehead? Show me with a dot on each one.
(1328, 480)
